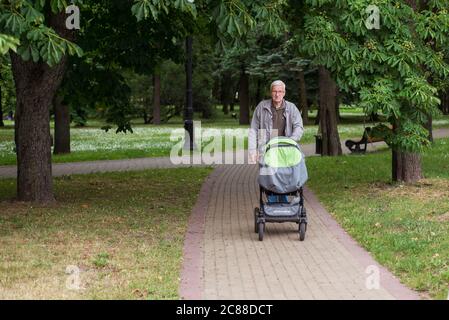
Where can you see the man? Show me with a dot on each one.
(275, 117)
(272, 118)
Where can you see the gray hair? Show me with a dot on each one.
(277, 83)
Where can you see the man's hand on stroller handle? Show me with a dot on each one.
(253, 157)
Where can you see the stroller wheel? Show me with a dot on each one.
(256, 215)
(261, 230)
(302, 231)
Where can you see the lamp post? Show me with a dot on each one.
(188, 112)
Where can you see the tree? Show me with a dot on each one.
(7, 89)
(156, 97)
(2, 124)
(231, 21)
(444, 96)
(388, 68)
(331, 145)
(303, 103)
(62, 126)
(38, 68)
(278, 58)
(36, 31)
(113, 41)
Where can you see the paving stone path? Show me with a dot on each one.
(223, 258)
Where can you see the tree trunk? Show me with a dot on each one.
(328, 116)
(258, 92)
(226, 92)
(36, 85)
(157, 98)
(318, 114)
(429, 127)
(406, 166)
(225, 108)
(374, 117)
(244, 98)
(444, 96)
(224, 95)
(303, 98)
(337, 105)
(233, 98)
(62, 126)
(317, 104)
(146, 118)
(1, 109)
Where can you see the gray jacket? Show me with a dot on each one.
(262, 125)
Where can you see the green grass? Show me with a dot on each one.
(124, 232)
(405, 227)
(92, 143)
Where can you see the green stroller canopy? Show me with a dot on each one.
(282, 152)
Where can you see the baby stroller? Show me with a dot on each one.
(282, 173)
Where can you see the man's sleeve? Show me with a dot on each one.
(254, 130)
(298, 127)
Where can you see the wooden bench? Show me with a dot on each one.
(360, 146)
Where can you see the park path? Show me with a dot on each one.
(88, 167)
(223, 259)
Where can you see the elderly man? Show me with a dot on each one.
(272, 118)
(275, 117)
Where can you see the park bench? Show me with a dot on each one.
(360, 146)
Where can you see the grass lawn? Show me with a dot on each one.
(405, 227)
(92, 143)
(123, 231)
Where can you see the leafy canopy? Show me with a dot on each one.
(26, 30)
(393, 69)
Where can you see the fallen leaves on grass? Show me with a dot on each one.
(442, 218)
(425, 189)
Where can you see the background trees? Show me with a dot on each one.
(7, 94)
(128, 62)
(390, 68)
(39, 67)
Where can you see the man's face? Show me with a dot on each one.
(277, 94)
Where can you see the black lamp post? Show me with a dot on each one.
(188, 112)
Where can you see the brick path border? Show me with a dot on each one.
(191, 286)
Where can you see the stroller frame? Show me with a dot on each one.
(261, 217)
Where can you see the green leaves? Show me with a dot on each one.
(32, 15)
(380, 97)
(233, 19)
(43, 43)
(8, 43)
(143, 8)
(271, 17)
(394, 69)
(57, 5)
(410, 136)
(13, 22)
(25, 20)
(37, 34)
(52, 51)
(420, 93)
(185, 6)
